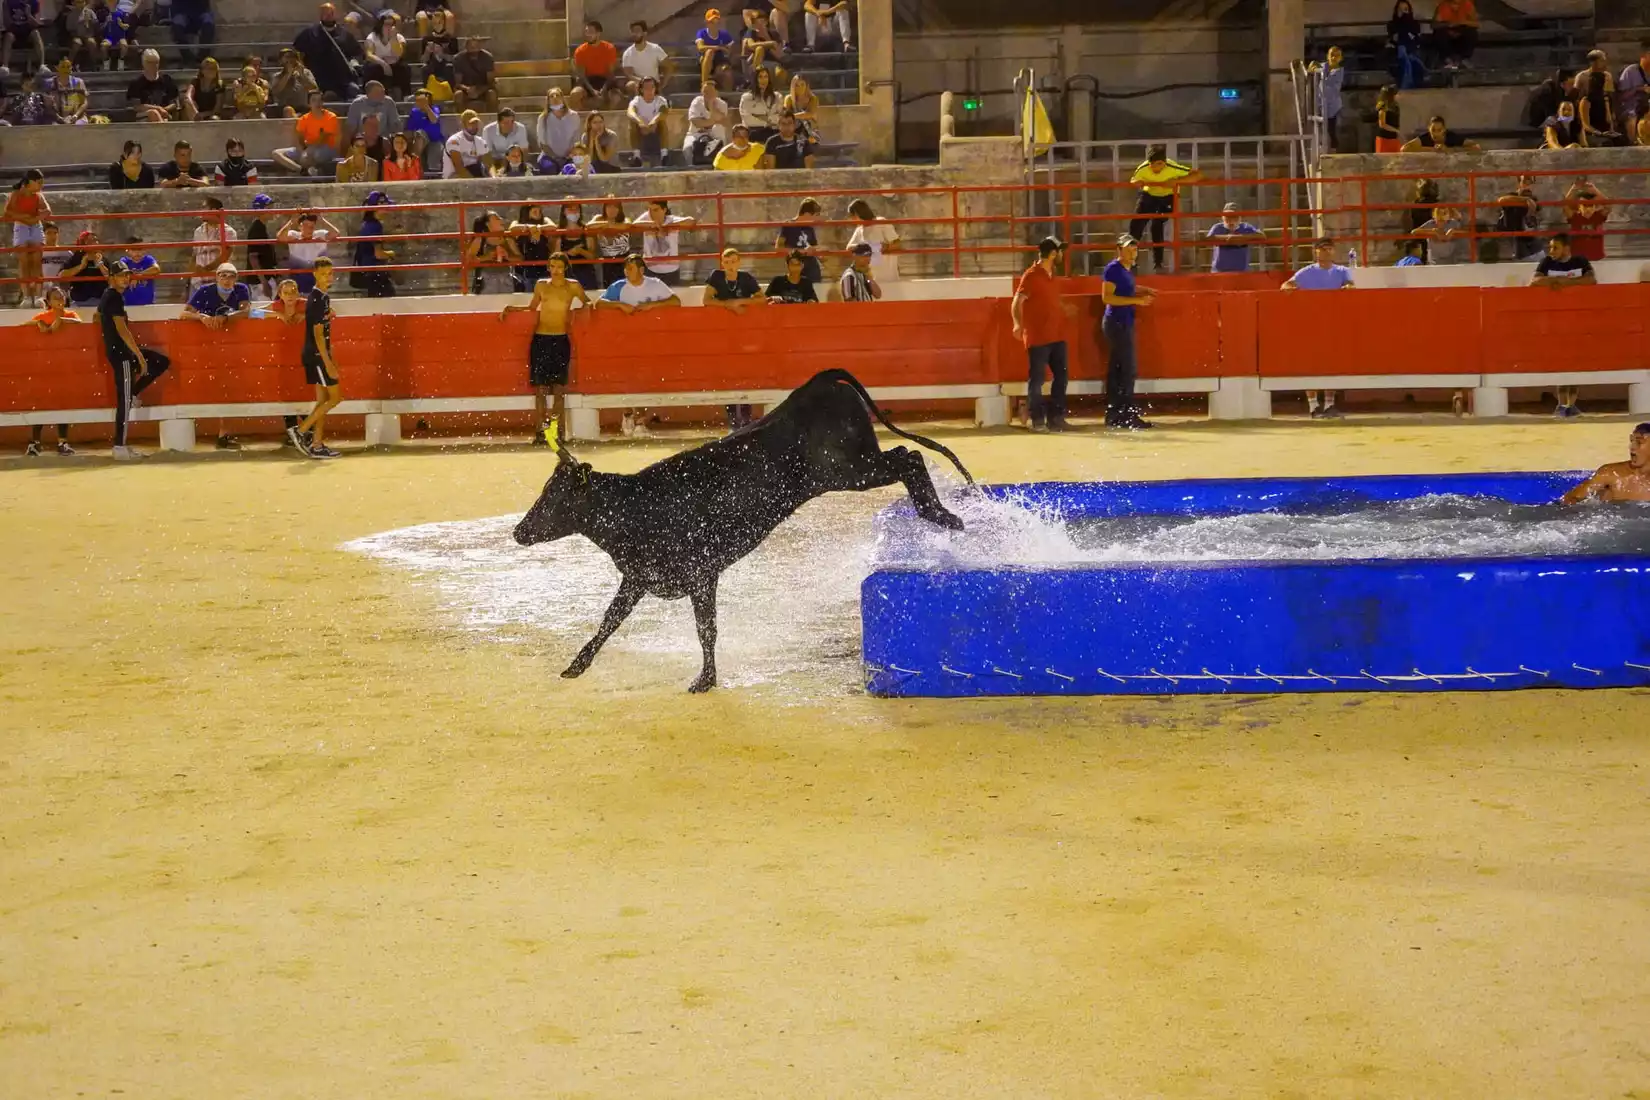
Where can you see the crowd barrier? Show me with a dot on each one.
(1237, 346)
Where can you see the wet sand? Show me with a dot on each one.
(272, 825)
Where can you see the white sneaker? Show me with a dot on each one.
(126, 454)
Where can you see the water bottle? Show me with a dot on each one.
(1352, 257)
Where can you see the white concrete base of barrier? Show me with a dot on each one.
(1489, 401)
(1638, 398)
(584, 424)
(177, 435)
(383, 429)
(1240, 399)
(991, 412)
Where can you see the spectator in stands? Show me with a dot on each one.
(661, 240)
(791, 147)
(181, 170)
(370, 253)
(1518, 211)
(601, 143)
(513, 165)
(801, 234)
(1122, 296)
(804, 104)
(739, 155)
(1414, 254)
(715, 48)
(473, 70)
(143, 267)
(129, 173)
(1546, 97)
(87, 274)
(1598, 116)
(491, 256)
(1159, 179)
(1039, 316)
(500, 137)
(53, 257)
(573, 241)
(793, 287)
(22, 24)
(423, 127)
(534, 241)
(635, 291)
(731, 289)
(218, 302)
(82, 33)
(1403, 35)
(780, 14)
(1439, 138)
(1563, 130)
(643, 59)
(1597, 62)
(292, 86)
(1329, 94)
(1446, 236)
(1233, 236)
(1563, 267)
(316, 133)
(305, 235)
(1633, 94)
(759, 49)
(249, 94)
(612, 232)
(332, 53)
(558, 129)
(596, 80)
(50, 319)
(1322, 274)
(28, 211)
(373, 102)
(386, 54)
(234, 170)
(438, 52)
(1421, 205)
(68, 94)
(858, 282)
(32, 106)
(821, 13)
(759, 107)
(205, 95)
(648, 114)
(192, 22)
(1585, 210)
(401, 164)
(261, 261)
(465, 149)
(707, 128)
(883, 238)
(214, 243)
(152, 95)
(119, 36)
(1455, 31)
(435, 16)
(356, 166)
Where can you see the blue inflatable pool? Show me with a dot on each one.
(1428, 624)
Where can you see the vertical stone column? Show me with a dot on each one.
(1285, 42)
(875, 38)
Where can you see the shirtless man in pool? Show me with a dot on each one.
(550, 356)
(1628, 480)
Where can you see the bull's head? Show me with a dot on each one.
(561, 507)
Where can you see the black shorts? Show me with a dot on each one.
(549, 360)
(315, 371)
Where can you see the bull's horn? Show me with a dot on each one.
(563, 454)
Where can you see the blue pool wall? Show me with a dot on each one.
(1260, 626)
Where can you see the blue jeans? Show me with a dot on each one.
(1410, 70)
(1120, 371)
(1051, 357)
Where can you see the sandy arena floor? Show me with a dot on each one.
(271, 826)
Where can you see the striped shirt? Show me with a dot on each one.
(1155, 178)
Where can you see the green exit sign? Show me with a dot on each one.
(971, 103)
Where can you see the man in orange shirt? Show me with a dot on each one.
(594, 65)
(1455, 31)
(316, 132)
(1040, 324)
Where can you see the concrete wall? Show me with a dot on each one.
(1379, 11)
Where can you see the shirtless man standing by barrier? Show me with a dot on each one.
(550, 356)
(1628, 480)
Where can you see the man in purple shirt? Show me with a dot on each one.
(715, 47)
(1122, 296)
(1322, 274)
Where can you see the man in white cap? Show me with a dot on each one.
(215, 305)
(1232, 237)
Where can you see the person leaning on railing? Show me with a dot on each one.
(1323, 273)
(1160, 179)
(50, 320)
(1563, 130)
(1439, 138)
(1560, 268)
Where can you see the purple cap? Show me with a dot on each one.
(262, 202)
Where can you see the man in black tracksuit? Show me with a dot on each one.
(135, 367)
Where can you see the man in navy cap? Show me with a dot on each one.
(1039, 315)
(1628, 480)
(135, 367)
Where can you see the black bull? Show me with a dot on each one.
(674, 527)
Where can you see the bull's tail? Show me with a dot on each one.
(871, 407)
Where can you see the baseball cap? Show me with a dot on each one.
(1229, 208)
(377, 198)
(1124, 240)
(262, 202)
(1048, 246)
(120, 267)
(862, 249)
(229, 267)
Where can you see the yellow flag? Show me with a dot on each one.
(1038, 131)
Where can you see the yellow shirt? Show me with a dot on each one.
(729, 161)
(1154, 178)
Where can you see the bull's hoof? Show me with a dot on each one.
(574, 670)
(704, 683)
(941, 517)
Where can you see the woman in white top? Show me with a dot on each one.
(647, 115)
(559, 128)
(707, 118)
(881, 235)
(612, 232)
(759, 107)
(386, 51)
(804, 104)
(305, 235)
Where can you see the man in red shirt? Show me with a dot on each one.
(1040, 323)
(594, 65)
